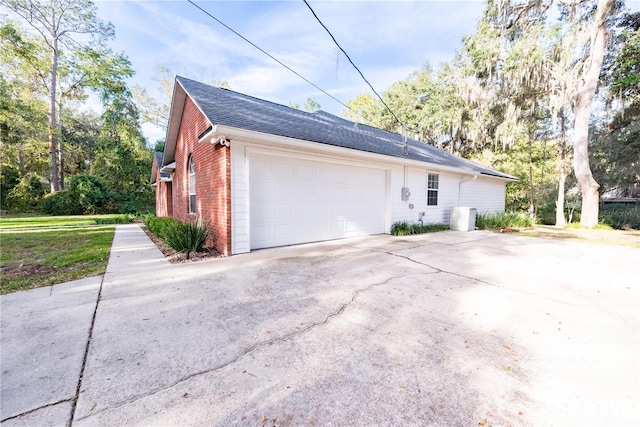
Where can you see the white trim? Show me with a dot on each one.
(168, 168)
(426, 201)
(293, 154)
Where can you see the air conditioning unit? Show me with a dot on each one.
(463, 219)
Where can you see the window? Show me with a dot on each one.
(432, 189)
(192, 185)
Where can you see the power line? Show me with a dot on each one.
(354, 65)
(271, 56)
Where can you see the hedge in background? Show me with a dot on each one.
(85, 195)
(496, 221)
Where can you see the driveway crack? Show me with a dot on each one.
(31, 411)
(475, 279)
(86, 355)
(253, 348)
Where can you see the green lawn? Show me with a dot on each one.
(39, 251)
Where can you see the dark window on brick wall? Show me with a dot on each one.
(192, 185)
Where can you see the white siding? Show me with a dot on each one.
(416, 181)
(485, 194)
(239, 199)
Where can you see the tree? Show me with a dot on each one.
(80, 132)
(427, 106)
(312, 105)
(58, 23)
(156, 110)
(616, 147)
(364, 109)
(582, 110)
(123, 159)
(583, 25)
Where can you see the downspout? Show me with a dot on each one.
(460, 185)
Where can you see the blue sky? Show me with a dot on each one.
(387, 40)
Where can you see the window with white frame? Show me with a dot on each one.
(432, 189)
(192, 185)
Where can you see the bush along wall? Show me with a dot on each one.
(181, 236)
(404, 228)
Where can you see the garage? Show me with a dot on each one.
(267, 175)
(293, 200)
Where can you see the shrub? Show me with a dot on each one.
(494, 221)
(26, 195)
(9, 178)
(117, 219)
(404, 228)
(126, 201)
(90, 192)
(85, 195)
(158, 225)
(60, 203)
(619, 215)
(186, 237)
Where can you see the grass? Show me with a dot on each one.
(38, 251)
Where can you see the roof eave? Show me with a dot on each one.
(175, 116)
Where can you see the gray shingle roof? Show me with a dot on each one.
(158, 161)
(229, 108)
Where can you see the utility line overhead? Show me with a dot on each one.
(271, 56)
(354, 65)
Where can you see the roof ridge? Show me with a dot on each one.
(244, 95)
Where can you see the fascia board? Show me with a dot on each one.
(175, 116)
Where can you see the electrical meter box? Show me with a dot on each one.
(405, 194)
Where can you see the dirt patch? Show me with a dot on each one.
(178, 257)
(25, 270)
(612, 237)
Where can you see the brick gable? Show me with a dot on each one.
(213, 171)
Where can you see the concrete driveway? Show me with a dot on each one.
(450, 328)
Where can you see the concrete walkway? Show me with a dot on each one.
(449, 328)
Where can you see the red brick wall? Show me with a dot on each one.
(164, 198)
(213, 178)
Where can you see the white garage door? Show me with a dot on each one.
(297, 201)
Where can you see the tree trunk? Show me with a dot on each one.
(53, 143)
(588, 186)
(22, 168)
(531, 186)
(562, 175)
(60, 148)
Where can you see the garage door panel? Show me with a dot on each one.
(323, 174)
(261, 168)
(296, 201)
(283, 170)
